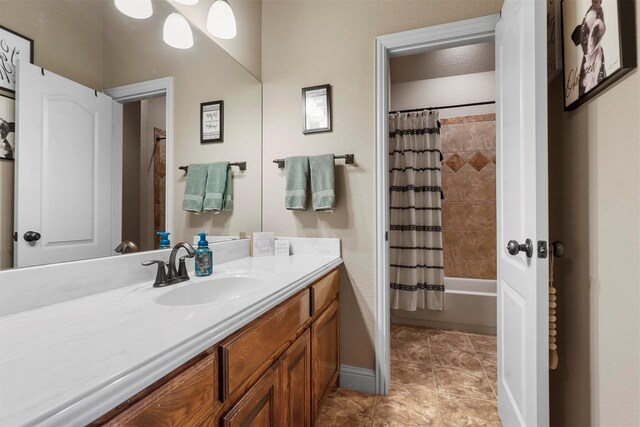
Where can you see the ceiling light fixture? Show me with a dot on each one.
(177, 32)
(221, 21)
(138, 9)
(188, 2)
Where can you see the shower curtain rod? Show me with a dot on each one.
(444, 107)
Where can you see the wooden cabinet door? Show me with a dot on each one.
(295, 377)
(260, 406)
(325, 354)
(189, 399)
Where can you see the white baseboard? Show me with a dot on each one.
(358, 379)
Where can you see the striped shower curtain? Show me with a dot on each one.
(415, 236)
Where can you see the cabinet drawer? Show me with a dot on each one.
(244, 353)
(186, 400)
(324, 291)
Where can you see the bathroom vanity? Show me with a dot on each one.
(257, 343)
(274, 371)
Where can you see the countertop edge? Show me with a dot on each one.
(95, 404)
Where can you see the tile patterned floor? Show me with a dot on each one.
(438, 378)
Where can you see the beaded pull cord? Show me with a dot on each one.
(553, 347)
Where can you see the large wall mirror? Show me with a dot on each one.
(103, 119)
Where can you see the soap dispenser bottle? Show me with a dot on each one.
(204, 257)
(164, 240)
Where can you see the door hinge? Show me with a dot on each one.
(542, 249)
(386, 236)
(15, 236)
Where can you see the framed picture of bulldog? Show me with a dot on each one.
(599, 46)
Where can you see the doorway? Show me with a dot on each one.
(143, 171)
(144, 125)
(519, 34)
(474, 31)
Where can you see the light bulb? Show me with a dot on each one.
(177, 32)
(221, 22)
(188, 2)
(138, 9)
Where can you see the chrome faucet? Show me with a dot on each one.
(126, 247)
(171, 275)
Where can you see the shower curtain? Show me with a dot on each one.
(415, 233)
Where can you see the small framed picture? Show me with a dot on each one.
(212, 122)
(599, 46)
(7, 127)
(12, 47)
(316, 109)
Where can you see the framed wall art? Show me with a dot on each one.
(316, 109)
(12, 47)
(599, 46)
(212, 122)
(7, 127)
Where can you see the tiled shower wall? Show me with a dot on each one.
(469, 205)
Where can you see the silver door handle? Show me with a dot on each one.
(513, 247)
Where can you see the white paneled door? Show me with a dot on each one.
(65, 163)
(522, 214)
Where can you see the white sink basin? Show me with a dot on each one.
(221, 288)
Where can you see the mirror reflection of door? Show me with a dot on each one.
(67, 128)
(143, 171)
(65, 163)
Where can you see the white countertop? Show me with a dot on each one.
(69, 363)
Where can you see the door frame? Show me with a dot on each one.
(460, 33)
(138, 92)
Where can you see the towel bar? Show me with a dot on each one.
(348, 159)
(241, 165)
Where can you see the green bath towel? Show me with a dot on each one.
(227, 200)
(215, 186)
(194, 191)
(323, 182)
(297, 173)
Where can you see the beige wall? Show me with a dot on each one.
(135, 52)
(66, 33)
(453, 61)
(246, 47)
(448, 90)
(594, 175)
(307, 43)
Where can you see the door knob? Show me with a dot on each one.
(31, 236)
(513, 247)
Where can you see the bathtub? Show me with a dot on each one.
(470, 306)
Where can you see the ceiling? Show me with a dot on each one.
(454, 61)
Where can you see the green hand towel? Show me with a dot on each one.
(297, 173)
(227, 200)
(214, 189)
(323, 182)
(194, 191)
